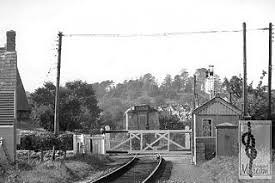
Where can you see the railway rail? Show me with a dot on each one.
(139, 169)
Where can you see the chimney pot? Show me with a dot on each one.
(11, 40)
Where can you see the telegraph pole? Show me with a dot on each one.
(269, 71)
(56, 112)
(244, 73)
(194, 91)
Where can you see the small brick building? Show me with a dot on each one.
(141, 117)
(205, 119)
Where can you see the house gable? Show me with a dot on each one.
(217, 106)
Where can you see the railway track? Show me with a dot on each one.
(141, 169)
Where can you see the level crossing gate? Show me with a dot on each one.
(149, 141)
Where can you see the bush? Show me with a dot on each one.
(65, 142)
(46, 141)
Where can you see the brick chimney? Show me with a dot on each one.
(11, 40)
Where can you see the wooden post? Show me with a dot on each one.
(131, 142)
(56, 113)
(194, 92)
(244, 72)
(270, 71)
(141, 141)
(168, 142)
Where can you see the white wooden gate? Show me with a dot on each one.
(150, 141)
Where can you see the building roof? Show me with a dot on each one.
(21, 98)
(226, 125)
(141, 108)
(10, 79)
(217, 106)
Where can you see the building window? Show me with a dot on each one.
(207, 128)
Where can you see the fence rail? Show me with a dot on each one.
(150, 141)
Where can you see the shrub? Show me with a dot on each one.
(46, 141)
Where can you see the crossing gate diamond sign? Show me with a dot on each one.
(255, 149)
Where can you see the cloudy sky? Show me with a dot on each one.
(95, 59)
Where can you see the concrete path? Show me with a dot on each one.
(184, 172)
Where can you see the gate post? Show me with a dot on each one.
(187, 138)
(131, 142)
(168, 142)
(141, 141)
(107, 138)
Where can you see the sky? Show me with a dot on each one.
(95, 59)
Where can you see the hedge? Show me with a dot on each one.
(46, 141)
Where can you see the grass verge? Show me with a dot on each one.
(72, 169)
(225, 169)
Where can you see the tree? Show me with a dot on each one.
(113, 111)
(90, 112)
(201, 77)
(44, 95)
(44, 116)
(233, 86)
(149, 85)
(166, 87)
(70, 108)
(177, 83)
(103, 88)
(258, 100)
(78, 106)
(43, 110)
(184, 75)
(257, 97)
(189, 85)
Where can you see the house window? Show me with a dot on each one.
(207, 127)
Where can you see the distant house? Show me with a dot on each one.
(205, 119)
(141, 117)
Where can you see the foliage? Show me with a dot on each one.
(73, 169)
(78, 106)
(171, 122)
(45, 141)
(114, 100)
(44, 116)
(92, 106)
(257, 97)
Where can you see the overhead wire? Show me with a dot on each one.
(163, 34)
